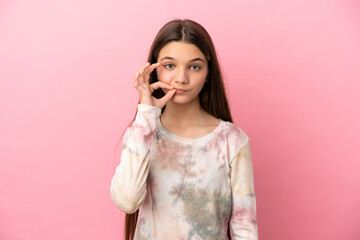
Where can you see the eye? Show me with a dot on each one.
(195, 67)
(169, 65)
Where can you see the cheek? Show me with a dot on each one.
(164, 76)
(200, 77)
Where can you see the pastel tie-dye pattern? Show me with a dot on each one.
(186, 188)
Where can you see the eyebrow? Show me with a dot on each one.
(192, 60)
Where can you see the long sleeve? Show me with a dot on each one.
(128, 185)
(243, 221)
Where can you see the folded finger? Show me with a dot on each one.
(136, 80)
(151, 68)
(148, 71)
(142, 69)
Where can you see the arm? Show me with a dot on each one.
(243, 221)
(128, 185)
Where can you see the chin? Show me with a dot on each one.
(181, 100)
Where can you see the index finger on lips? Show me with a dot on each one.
(159, 84)
(166, 84)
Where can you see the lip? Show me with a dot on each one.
(180, 91)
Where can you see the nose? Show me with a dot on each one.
(181, 76)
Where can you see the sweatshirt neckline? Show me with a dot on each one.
(187, 140)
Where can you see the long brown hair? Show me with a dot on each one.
(212, 96)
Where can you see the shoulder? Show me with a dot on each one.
(234, 136)
(234, 133)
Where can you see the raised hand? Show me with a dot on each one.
(141, 83)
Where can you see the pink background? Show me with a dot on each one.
(66, 96)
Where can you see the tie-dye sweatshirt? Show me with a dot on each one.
(185, 188)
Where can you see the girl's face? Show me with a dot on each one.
(183, 66)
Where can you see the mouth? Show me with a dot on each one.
(181, 91)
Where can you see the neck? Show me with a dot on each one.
(182, 115)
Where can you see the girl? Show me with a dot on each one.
(186, 170)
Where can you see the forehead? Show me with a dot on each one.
(181, 51)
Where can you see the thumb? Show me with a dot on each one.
(167, 97)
